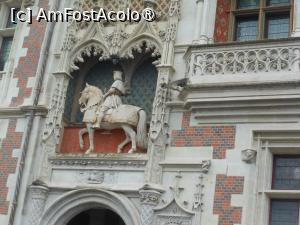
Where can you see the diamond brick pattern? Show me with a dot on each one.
(8, 163)
(28, 64)
(220, 137)
(225, 187)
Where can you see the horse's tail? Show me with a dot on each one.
(141, 136)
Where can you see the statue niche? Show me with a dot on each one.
(123, 116)
(108, 112)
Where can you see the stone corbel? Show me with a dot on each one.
(249, 155)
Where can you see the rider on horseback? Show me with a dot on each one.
(112, 99)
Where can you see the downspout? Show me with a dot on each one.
(31, 113)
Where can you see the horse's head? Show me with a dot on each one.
(90, 93)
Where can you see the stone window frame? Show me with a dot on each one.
(268, 144)
(261, 11)
(4, 30)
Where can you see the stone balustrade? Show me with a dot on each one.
(243, 58)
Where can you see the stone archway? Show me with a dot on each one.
(75, 202)
(97, 216)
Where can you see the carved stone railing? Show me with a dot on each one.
(242, 58)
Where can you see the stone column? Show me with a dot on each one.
(39, 196)
(202, 22)
(149, 200)
(296, 28)
(55, 115)
(199, 13)
(53, 126)
(160, 112)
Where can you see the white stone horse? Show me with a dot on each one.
(126, 117)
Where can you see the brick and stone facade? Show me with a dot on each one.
(217, 117)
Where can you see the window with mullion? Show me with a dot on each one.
(286, 176)
(4, 51)
(286, 173)
(284, 212)
(256, 19)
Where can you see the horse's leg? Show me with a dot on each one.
(81, 133)
(125, 142)
(132, 135)
(91, 138)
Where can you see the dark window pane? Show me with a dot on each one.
(4, 51)
(284, 212)
(242, 4)
(278, 26)
(277, 2)
(246, 29)
(286, 173)
(9, 23)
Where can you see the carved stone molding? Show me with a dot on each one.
(97, 162)
(39, 196)
(249, 155)
(73, 202)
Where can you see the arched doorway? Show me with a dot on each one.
(66, 208)
(99, 216)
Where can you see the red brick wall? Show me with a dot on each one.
(8, 164)
(222, 21)
(27, 66)
(225, 187)
(219, 137)
(104, 141)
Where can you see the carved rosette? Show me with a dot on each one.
(39, 196)
(149, 200)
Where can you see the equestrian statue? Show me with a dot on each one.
(106, 111)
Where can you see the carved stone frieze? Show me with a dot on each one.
(96, 162)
